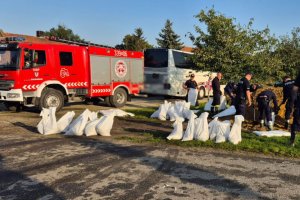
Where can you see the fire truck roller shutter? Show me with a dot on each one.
(119, 97)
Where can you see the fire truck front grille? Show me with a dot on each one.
(6, 85)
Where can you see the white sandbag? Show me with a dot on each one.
(65, 121)
(48, 124)
(207, 106)
(161, 113)
(93, 116)
(276, 133)
(105, 124)
(192, 96)
(189, 132)
(223, 103)
(228, 112)
(212, 128)
(78, 125)
(223, 131)
(171, 114)
(201, 128)
(177, 132)
(90, 128)
(117, 112)
(235, 135)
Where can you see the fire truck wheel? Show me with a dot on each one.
(107, 101)
(119, 98)
(201, 93)
(52, 98)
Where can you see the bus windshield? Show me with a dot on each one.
(156, 58)
(183, 60)
(9, 59)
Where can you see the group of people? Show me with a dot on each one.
(240, 95)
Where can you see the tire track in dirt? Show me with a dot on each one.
(153, 178)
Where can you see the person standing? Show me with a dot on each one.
(263, 99)
(191, 83)
(243, 95)
(216, 93)
(288, 85)
(296, 121)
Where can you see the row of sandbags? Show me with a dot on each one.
(200, 129)
(170, 111)
(87, 123)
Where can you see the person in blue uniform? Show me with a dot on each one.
(263, 99)
(243, 95)
(216, 93)
(230, 90)
(288, 93)
(296, 121)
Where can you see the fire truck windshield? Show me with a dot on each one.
(9, 59)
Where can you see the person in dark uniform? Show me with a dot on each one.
(230, 90)
(191, 83)
(296, 121)
(216, 93)
(263, 99)
(243, 95)
(288, 85)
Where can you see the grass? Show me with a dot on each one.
(250, 142)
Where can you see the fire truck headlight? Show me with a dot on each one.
(13, 95)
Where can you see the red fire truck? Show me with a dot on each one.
(50, 74)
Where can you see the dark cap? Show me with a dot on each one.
(192, 75)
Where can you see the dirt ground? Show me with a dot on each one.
(33, 166)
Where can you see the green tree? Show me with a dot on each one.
(288, 50)
(233, 49)
(1, 33)
(63, 32)
(168, 38)
(135, 41)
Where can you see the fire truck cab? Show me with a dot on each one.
(44, 75)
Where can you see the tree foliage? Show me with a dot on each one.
(288, 50)
(135, 41)
(63, 32)
(1, 33)
(168, 38)
(234, 49)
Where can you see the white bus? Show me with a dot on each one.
(166, 70)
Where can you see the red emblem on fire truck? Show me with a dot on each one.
(121, 68)
(64, 73)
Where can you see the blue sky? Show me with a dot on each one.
(108, 21)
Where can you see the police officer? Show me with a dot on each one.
(288, 85)
(230, 90)
(216, 93)
(263, 99)
(296, 121)
(191, 83)
(243, 94)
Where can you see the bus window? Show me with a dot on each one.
(156, 58)
(183, 60)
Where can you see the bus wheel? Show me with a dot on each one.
(201, 93)
(119, 98)
(107, 101)
(51, 98)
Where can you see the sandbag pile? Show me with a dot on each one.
(87, 123)
(200, 129)
(169, 111)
